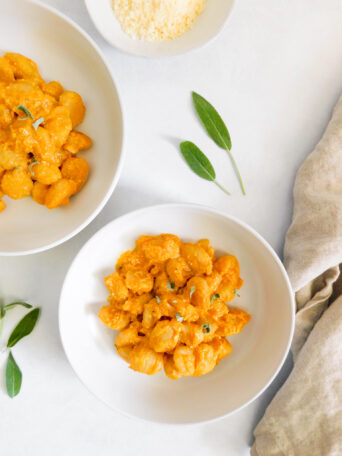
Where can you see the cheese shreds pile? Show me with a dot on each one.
(157, 20)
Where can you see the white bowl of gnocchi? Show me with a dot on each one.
(59, 111)
(176, 314)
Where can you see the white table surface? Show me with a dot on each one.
(275, 74)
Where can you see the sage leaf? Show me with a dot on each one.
(199, 163)
(13, 376)
(24, 327)
(212, 121)
(216, 129)
(15, 304)
(25, 111)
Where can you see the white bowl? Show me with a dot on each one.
(206, 27)
(258, 351)
(63, 52)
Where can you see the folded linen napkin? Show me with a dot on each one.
(305, 416)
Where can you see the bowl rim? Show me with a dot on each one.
(214, 211)
(161, 55)
(115, 180)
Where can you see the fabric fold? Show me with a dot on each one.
(305, 416)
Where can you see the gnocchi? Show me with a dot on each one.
(168, 300)
(38, 143)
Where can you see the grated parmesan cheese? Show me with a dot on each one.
(157, 20)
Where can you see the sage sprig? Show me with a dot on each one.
(216, 129)
(13, 376)
(24, 327)
(199, 163)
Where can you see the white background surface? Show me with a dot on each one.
(274, 74)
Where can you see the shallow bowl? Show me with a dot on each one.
(258, 351)
(206, 27)
(65, 53)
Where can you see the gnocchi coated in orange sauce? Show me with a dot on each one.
(38, 140)
(168, 300)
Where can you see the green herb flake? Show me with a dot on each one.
(24, 327)
(192, 291)
(36, 124)
(199, 163)
(25, 111)
(236, 292)
(158, 299)
(13, 376)
(216, 129)
(170, 286)
(34, 162)
(174, 302)
(179, 317)
(216, 296)
(205, 328)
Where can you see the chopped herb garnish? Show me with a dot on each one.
(179, 317)
(214, 297)
(36, 124)
(158, 299)
(25, 111)
(174, 302)
(34, 162)
(170, 286)
(205, 328)
(192, 291)
(236, 292)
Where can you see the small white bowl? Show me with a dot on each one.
(65, 53)
(206, 27)
(258, 351)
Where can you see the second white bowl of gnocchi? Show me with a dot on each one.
(186, 294)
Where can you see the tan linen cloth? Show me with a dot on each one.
(305, 416)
